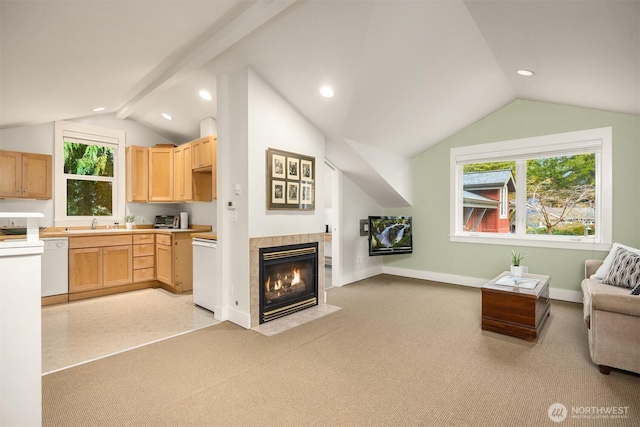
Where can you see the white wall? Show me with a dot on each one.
(356, 205)
(251, 118)
(395, 169)
(40, 139)
(274, 123)
(31, 139)
(233, 227)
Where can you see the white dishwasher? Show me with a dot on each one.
(55, 266)
(204, 272)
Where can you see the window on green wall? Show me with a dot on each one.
(552, 191)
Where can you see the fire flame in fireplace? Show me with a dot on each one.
(296, 276)
(283, 281)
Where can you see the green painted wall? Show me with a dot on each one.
(434, 252)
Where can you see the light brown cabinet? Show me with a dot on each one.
(25, 175)
(182, 174)
(170, 174)
(161, 174)
(137, 159)
(204, 152)
(174, 261)
(204, 160)
(99, 263)
(144, 258)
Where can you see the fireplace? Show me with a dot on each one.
(288, 279)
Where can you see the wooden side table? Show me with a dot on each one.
(516, 311)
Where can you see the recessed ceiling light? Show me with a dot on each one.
(326, 91)
(166, 116)
(205, 95)
(526, 73)
(98, 109)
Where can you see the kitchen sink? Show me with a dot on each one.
(98, 230)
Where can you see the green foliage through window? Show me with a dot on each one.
(82, 159)
(561, 191)
(88, 196)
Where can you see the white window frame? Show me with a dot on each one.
(91, 135)
(504, 202)
(598, 141)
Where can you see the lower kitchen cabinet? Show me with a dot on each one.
(99, 263)
(164, 271)
(143, 258)
(117, 263)
(174, 261)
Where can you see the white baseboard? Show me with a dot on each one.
(565, 295)
(554, 293)
(360, 275)
(238, 317)
(436, 277)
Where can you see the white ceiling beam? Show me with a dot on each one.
(239, 27)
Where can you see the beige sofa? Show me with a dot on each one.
(613, 318)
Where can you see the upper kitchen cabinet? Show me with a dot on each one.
(167, 173)
(161, 174)
(137, 173)
(182, 174)
(25, 175)
(203, 155)
(204, 152)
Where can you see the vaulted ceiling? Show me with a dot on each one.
(406, 74)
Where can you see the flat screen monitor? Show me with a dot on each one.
(390, 235)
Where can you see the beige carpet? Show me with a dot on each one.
(399, 352)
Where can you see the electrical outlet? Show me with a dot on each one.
(12, 223)
(360, 260)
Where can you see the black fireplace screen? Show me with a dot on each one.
(288, 279)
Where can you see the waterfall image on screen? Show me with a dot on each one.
(390, 235)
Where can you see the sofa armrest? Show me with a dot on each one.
(591, 266)
(616, 303)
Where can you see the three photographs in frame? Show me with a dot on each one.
(290, 180)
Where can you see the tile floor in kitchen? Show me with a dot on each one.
(90, 329)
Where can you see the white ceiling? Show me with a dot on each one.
(407, 74)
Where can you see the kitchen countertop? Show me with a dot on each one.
(102, 231)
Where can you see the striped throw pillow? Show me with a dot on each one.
(625, 270)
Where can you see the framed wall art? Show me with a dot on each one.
(290, 180)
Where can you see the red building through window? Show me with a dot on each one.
(486, 203)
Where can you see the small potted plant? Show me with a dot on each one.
(128, 221)
(516, 268)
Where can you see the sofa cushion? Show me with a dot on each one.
(606, 264)
(625, 270)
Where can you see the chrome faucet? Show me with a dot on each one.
(94, 223)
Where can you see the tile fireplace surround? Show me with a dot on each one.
(256, 243)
